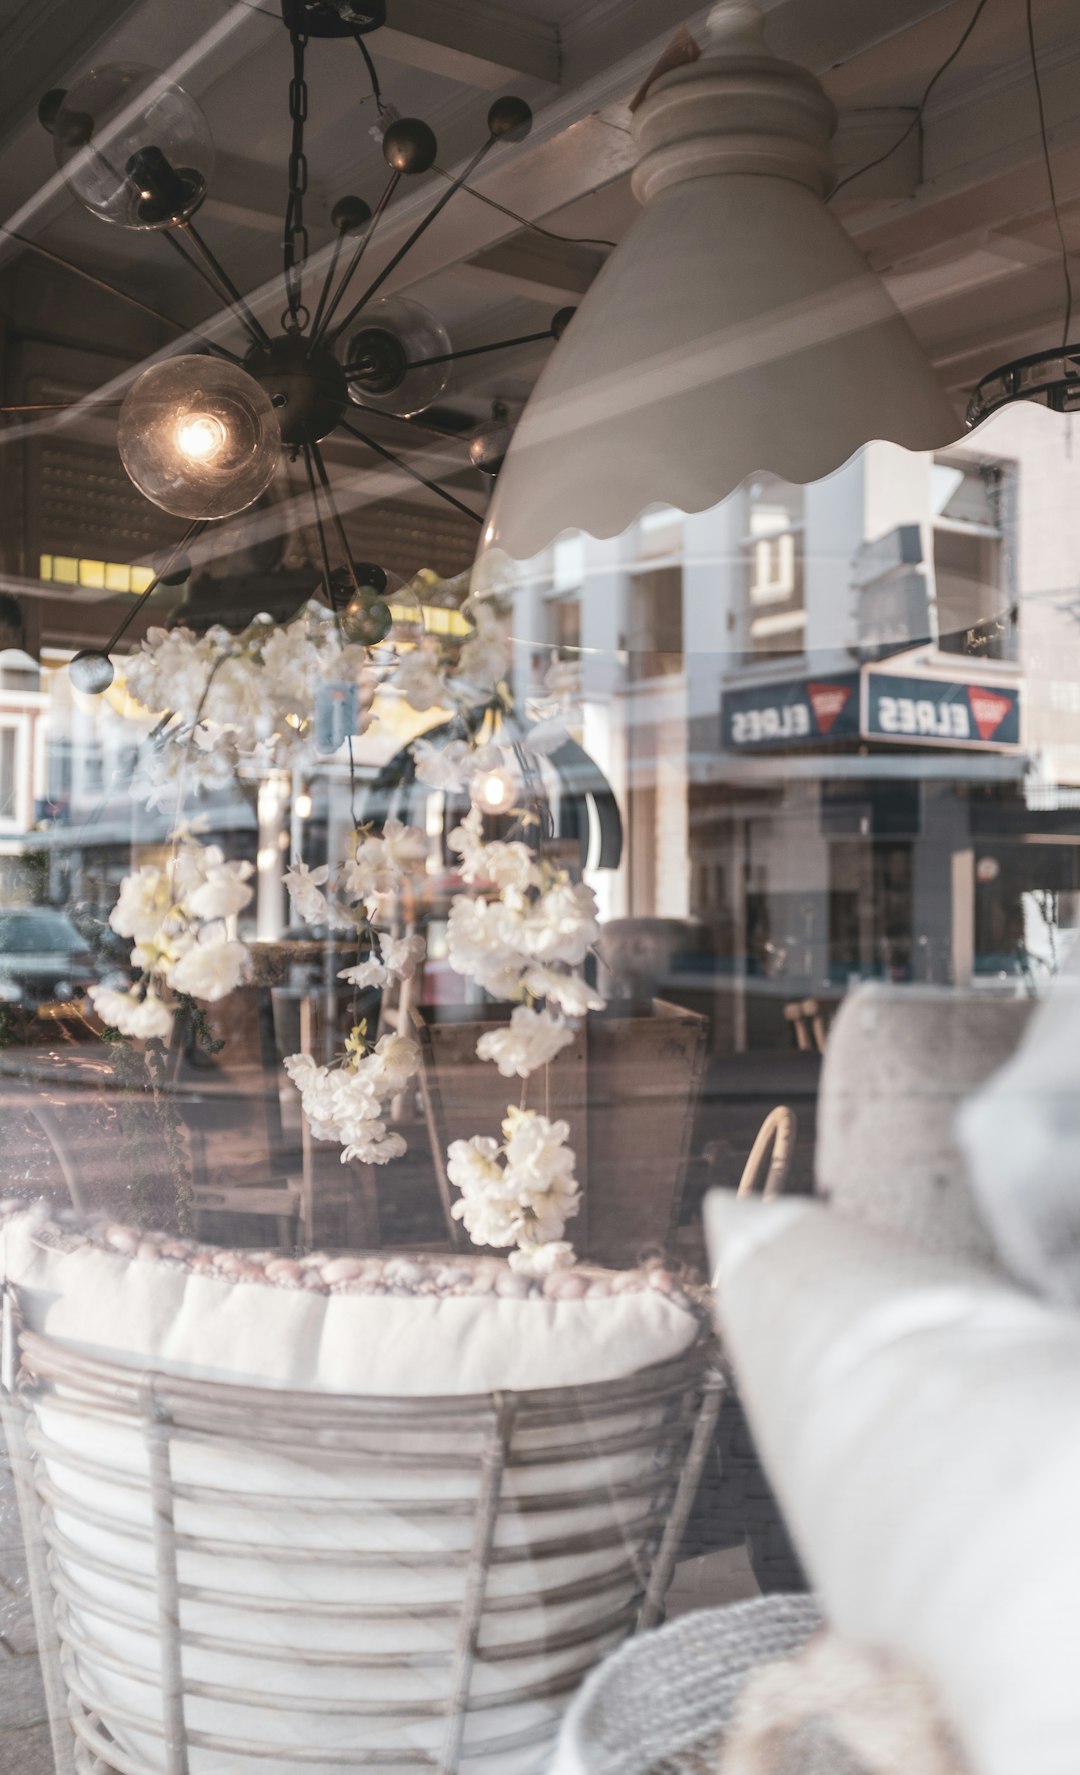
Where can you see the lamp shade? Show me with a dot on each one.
(736, 329)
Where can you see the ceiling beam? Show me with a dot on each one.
(531, 265)
(474, 41)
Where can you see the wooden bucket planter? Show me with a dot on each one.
(628, 1086)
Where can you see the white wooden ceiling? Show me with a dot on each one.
(959, 222)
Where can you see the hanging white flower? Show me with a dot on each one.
(539, 1261)
(143, 1016)
(520, 1193)
(530, 1040)
(571, 992)
(224, 890)
(210, 969)
(344, 1103)
(402, 955)
(365, 973)
(419, 679)
(305, 891)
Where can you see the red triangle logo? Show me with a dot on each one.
(988, 709)
(828, 702)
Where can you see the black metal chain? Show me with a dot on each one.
(295, 241)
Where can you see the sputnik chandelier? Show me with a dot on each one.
(201, 434)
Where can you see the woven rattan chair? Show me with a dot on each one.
(227, 1577)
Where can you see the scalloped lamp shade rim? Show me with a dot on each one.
(736, 330)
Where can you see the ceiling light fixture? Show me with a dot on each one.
(736, 328)
(201, 434)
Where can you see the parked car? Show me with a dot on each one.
(43, 959)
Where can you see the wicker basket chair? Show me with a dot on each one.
(229, 1578)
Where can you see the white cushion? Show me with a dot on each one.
(899, 1060)
(349, 1336)
(1021, 1136)
(921, 1424)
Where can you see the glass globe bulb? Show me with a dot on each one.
(199, 437)
(136, 150)
(386, 353)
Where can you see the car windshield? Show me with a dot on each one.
(24, 933)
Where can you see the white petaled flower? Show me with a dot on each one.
(145, 898)
(142, 1017)
(478, 945)
(485, 658)
(394, 1062)
(540, 1170)
(531, 1259)
(403, 846)
(419, 679)
(402, 955)
(467, 841)
(224, 891)
(365, 973)
(490, 1213)
(210, 969)
(510, 865)
(305, 891)
(562, 925)
(440, 767)
(573, 995)
(531, 1040)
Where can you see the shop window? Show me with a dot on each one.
(975, 601)
(772, 553)
(654, 638)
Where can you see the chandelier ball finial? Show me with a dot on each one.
(350, 214)
(509, 119)
(91, 672)
(409, 146)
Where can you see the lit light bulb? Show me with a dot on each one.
(200, 437)
(493, 791)
(302, 806)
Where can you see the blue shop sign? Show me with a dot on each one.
(937, 712)
(801, 711)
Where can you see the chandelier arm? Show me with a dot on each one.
(216, 269)
(102, 283)
(220, 294)
(450, 357)
(410, 419)
(335, 515)
(192, 531)
(399, 462)
(335, 255)
(324, 552)
(407, 245)
(319, 332)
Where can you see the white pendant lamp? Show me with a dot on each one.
(736, 329)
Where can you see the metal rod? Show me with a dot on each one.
(449, 357)
(439, 431)
(361, 247)
(399, 462)
(492, 1468)
(61, 406)
(408, 244)
(168, 1595)
(128, 618)
(321, 533)
(335, 254)
(216, 269)
(335, 515)
(102, 283)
